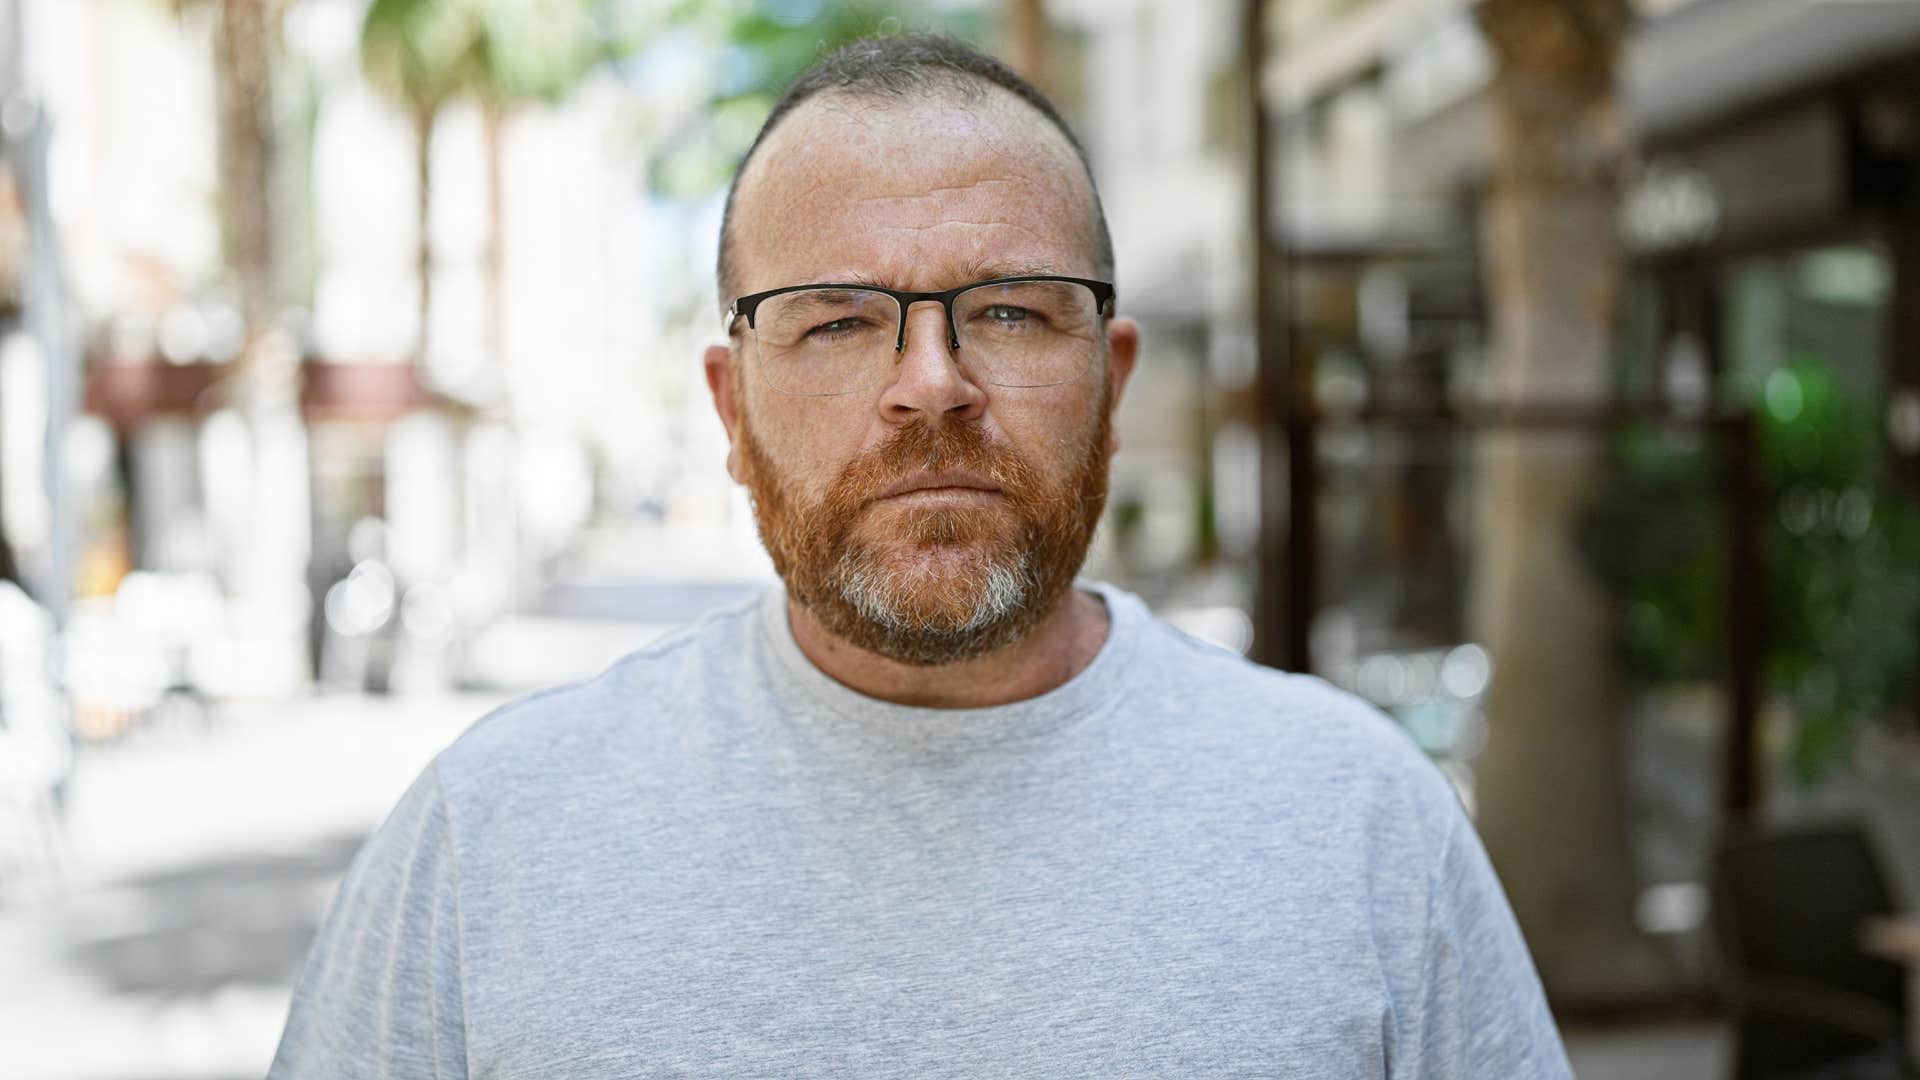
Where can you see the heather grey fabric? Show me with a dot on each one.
(713, 860)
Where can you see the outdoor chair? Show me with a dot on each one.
(1808, 1002)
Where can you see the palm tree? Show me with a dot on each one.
(426, 54)
(264, 561)
(243, 46)
(1025, 34)
(263, 384)
(767, 49)
(533, 52)
(422, 54)
(245, 41)
(1552, 777)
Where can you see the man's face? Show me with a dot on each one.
(1008, 482)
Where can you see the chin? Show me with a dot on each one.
(938, 566)
(939, 528)
(935, 607)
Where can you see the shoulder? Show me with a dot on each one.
(1205, 680)
(583, 724)
(1299, 733)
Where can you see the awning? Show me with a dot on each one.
(1716, 57)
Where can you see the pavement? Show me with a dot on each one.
(162, 939)
(196, 861)
(1684, 1049)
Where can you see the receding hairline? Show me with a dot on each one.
(1047, 146)
(918, 81)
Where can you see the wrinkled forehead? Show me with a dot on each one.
(911, 194)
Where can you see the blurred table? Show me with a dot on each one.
(1897, 938)
(1893, 937)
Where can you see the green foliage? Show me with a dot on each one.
(420, 52)
(425, 53)
(760, 48)
(537, 50)
(1656, 536)
(1843, 564)
(1841, 550)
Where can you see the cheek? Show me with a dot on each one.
(1052, 430)
(808, 440)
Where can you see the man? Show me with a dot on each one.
(931, 810)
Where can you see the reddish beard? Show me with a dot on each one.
(930, 584)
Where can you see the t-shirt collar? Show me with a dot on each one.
(1099, 684)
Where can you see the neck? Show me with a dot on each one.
(1063, 644)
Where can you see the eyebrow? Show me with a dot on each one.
(826, 297)
(969, 273)
(981, 271)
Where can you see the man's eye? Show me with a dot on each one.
(836, 328)
(1007, 313)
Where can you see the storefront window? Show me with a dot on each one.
(1822, 305)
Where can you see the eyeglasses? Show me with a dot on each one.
(823, 340)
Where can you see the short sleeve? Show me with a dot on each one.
(1482, 1011)
(380, 995)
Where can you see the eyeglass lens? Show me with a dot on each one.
(838, 340)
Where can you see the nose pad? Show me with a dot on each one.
(938, 312)
(929, 377)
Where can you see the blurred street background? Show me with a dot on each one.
(1545, 371)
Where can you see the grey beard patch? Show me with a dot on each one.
(881, 596)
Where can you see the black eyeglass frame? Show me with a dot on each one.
(1103, 298)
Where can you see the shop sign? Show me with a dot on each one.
(1671, 206)
(1785, 172)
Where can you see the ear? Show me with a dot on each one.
(1123, 349)
(720, 383)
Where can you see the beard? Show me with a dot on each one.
(929, 585)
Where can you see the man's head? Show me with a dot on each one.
(938, 509)
(904, 70)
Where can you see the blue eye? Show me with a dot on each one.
(1007, 313)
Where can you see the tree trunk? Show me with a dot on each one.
(13, 240)
(265, 376)
(423, 121)
(1025, 35)
(242, 51)
(266, 552)
(493, 121)
(1551, 790)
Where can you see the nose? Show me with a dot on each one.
(928, 380)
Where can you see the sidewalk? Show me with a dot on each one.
(197, 864)
(1680, 1050)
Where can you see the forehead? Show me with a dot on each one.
(918, 195)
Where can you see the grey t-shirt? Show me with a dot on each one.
(714, 860)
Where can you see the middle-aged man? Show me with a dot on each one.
(931, 809)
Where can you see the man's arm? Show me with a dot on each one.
(381, 993)
(1481, 1010)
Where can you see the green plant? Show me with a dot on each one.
(1843, 564)
(1656, 538)
(1841, 550)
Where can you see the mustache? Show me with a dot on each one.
(926, 447)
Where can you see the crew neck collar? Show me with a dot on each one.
(1098, 684)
